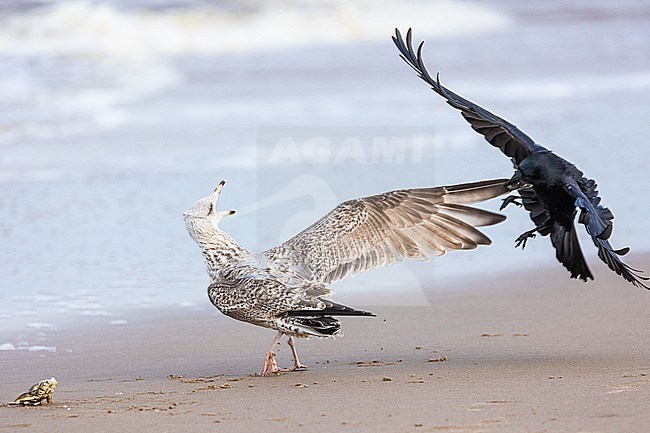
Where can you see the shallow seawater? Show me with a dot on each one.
(106, 137)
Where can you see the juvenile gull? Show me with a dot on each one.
(286, 288)
(551, 188)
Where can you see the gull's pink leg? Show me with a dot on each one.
(296, 362)
(270, 366)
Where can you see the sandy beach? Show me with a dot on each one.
(116, 116)
(543, 355)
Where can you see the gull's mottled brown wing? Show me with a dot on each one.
(376, 231)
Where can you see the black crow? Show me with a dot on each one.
(550, 187)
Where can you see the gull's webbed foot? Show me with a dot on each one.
(270, 365)
(297, 365)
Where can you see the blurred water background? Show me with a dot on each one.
(116, 116)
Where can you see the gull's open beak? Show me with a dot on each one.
(217, 192)
(219, 187)
(215, 195)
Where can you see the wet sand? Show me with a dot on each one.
(536, 355)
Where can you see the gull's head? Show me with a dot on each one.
(205, 210)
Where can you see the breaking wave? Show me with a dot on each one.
(85, 27)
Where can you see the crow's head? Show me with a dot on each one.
(535, 169)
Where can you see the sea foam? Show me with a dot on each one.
(101, 29)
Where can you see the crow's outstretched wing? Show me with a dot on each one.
(598, 219)
(497, 131)
(599, 223)
(610, 256)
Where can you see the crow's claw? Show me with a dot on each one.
(521, 240)
(511, 199)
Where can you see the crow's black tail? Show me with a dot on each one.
(568, 252)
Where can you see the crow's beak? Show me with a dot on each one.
(516, 181)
